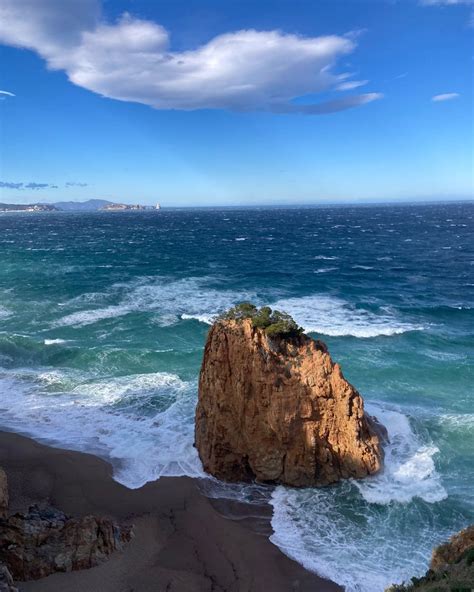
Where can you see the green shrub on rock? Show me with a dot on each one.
(274, 322)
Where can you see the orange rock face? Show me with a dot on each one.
(279, 410)
(451, 552)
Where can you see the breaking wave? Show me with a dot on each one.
(361, 523)
(143, 424)
(334, 316)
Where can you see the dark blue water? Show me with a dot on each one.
(103, 318)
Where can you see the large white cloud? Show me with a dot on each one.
(131, 60)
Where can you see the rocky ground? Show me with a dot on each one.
(181, 542)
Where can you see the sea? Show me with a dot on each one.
(104, 316)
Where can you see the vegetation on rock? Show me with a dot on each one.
(451, 569)
(274, 322)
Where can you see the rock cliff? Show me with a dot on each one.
(451, 567)
(276, 408)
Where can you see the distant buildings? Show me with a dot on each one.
(27, 208)
(90, 205)
(120, 207)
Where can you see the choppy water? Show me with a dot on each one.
(103, 318)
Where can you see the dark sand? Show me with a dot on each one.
(182, 541)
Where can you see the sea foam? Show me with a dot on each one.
(331, 530)
(143, 424)
(173, 300)
(202, 299)
(4, 313)
(330, 315)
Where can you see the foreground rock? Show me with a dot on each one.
(451, 567)
(3, 494)
(274, 407)
(6, 580)
(45, 541)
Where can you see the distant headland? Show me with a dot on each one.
(91, 205)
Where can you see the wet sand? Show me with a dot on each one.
(182, 541)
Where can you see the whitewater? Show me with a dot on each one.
(103, 319)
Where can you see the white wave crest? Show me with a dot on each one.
(325, 269)
(333, 316)
(89, 317)
(375, 524)
(4, 313)
(200, 298)
(143, 423)
(171, 300)
(409, 469)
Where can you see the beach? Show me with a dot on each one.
(182, 541)
(103, 321)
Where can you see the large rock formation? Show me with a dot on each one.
(275, 408)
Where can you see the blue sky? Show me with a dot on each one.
(227, 103)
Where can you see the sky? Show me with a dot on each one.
(226, 102)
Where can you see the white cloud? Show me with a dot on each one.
(131, 60)
(7, 93)
(351, 84)
(445, 2)
(445, 97)
(333, 106)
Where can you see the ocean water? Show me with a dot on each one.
(103, 319)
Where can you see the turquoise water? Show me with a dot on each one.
(103, 318)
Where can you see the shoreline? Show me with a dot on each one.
(182, 541)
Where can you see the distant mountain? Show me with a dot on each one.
(82, 206)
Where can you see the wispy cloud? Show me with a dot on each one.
(334, 106)
(35, 186)
(30, 185)
(7, 93)
(452, 3)
(351, 84)
(445, 97)
(131, 60)
(7, 185)
(445, 2)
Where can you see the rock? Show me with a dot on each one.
(277, 409)
(451, 568)
(6, 580)
(452, 551)
(44, 541)
(3, 494)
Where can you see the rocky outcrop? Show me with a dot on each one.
(278, 409)
(3, 494)
(6, 580)
(452, 551)
(44, 541)
(451, 567)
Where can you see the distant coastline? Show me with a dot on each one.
(91, 205)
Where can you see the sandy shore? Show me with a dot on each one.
(182, 541)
